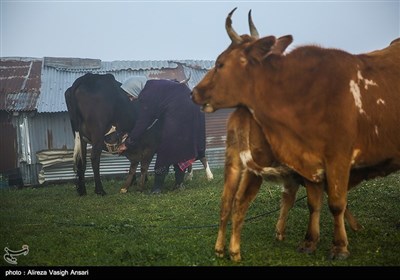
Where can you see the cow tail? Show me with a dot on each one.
(74, 115)
(77, 150)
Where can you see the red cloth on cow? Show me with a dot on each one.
(186, 164)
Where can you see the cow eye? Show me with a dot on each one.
(219, 65)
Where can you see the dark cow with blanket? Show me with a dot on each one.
(183, 129)
(323, 112)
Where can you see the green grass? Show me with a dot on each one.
(179, 228)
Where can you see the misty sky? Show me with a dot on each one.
(166, 30)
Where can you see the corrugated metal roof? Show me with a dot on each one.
(59, 74)
(26, 85)
(20, 83)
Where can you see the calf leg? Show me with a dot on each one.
(130, 178)
(288, 199)
(247, 191)
(144, 168)
(231, 183)
(314, 199)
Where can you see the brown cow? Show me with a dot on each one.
(249, 160)
(323, 111)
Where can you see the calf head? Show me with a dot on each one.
(232, 79)
(113, 139)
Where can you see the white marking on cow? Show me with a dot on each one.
(77, 149)
(380, 101)
(285, 189)
(376, 130)
(189, 176)
(112, 130)
(209, 174)
(366, 81)
(355, 90)
(355, 154)
(271, 171)
(251, 111)
(318, 175)
(369, 83)
(245, 157)
(359, 76)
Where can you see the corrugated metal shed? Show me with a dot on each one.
(20, 83)
(47, 129)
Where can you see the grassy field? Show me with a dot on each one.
(179, 228)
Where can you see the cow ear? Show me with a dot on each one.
(257, 50)
(280, 45)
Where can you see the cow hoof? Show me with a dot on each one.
(210, 178)
(81, 192)
(235, 257)
(339, 253)
(220, 253)
(179, 187)
(102, 193)
(339, 256)
(123, 190)
(156, 191)
(307, 247)
(280, 236)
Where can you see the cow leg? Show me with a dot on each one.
(209, 174)
(337, 202)
(314, 200)
(159, 177)
(247, 191)
(289, 192)
(353, 223)
(189, 176)
(81, 168)
(144, 168)
(130, 178)
(231, 183)
(179, 177)
(95, 158)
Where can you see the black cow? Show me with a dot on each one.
(95, 103)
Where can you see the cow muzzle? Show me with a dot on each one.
(206, 107)
(113, 139)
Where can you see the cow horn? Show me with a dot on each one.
(232, 33)
(253, 29)
(186, 80)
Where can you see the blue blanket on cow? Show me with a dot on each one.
(183, 124)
